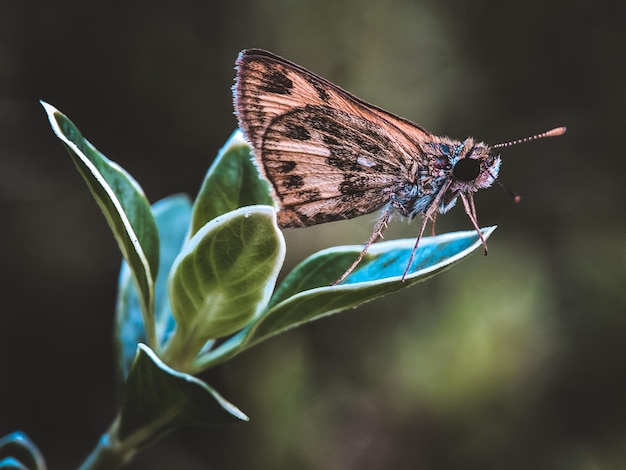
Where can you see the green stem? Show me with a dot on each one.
(181, 350)
(222, 353)
(109, 453)
(150, 327)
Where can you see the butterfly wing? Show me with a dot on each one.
(327, 154)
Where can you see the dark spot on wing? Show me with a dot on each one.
(322, 119)
(286, 166)
(369, 147)
(337, 162)
(319, 88)
(344, 159)
(331, 124)
(296, 132)
(328, 140)
(353, 184)
(293, 182)
(277, 82)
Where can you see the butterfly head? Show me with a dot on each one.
(470, 166)
(473, 167)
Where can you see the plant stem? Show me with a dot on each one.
(181, 349)
(109, 453)
(223, 352)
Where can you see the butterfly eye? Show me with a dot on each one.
(466, 169)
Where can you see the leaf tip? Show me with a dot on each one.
(48, 108)
(487, 231)
(53, 117)
(236, 138)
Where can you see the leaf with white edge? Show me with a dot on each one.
(306, 293)
(172, 215)
(232, 182)
(123, 204)
(223, 278)
(17, 451)
(158, 399)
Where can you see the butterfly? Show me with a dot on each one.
(329, 155)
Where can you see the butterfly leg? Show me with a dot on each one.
(470, 210)
(431, 214)
(377, 233)
(432, 224)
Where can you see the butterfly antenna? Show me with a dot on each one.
(551, 133)
(515, 196)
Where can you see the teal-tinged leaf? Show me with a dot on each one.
(172, 215)
(17, 451)
(384, 262)
(306, 293)
(11, 463)
(158, 399)
(124, 205)
(223, 278)
(232, 182)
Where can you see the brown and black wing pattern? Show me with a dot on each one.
(327, 154)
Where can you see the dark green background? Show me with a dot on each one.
(514, 361)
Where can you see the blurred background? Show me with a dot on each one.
(516, 360)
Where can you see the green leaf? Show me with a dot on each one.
(232, 182)
(17, 451)
(223, 278)
(306, 293)
(158, 399)
(307, 296)
(172, 215)
(123, 204)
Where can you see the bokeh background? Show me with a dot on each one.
(516, 360)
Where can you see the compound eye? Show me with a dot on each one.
(466, 169)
